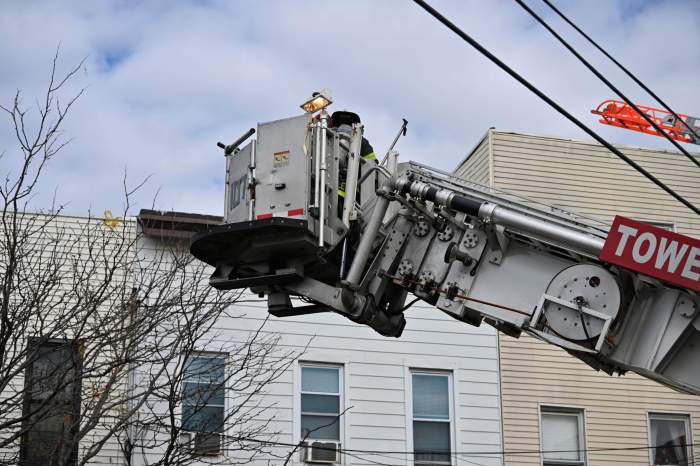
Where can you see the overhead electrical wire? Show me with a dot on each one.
(470, 454)
(532, 88)
(617, 91)
(619, 65)
(464, 36)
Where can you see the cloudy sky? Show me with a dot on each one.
(166, 80)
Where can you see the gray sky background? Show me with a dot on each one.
(166, 80)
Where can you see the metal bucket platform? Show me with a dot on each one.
(236, 248)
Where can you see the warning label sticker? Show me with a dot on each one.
(281, 159)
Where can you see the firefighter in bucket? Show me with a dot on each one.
(342, 121)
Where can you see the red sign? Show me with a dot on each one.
(653, 251)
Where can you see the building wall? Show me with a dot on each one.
(58, 252)
(478, 166)
(376, 373)
(586, 178)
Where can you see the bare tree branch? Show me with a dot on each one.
(99, 324)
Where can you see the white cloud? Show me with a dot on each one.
(166, 81)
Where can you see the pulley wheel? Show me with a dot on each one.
(582, 285)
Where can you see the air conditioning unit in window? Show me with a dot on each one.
(322, 452)
(202, 443)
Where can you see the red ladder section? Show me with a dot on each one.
(618, 113)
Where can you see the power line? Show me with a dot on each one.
(588, 65)
(619, 65)
(483, 454)
(552, 103)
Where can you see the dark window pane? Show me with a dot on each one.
(202, 419)
(52, 373)
(320, 379)
(203, 394)
(44, 445)
(320, 404)
(317, 427)
(669, 436)
(49, 436)
(431, 441)
(430, 396)
(204, 369)
(52, 405)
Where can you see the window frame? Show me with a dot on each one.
(663, 224)
(34, 344)
(224, 427)
(675, 416)
(340, 367)
(452, 421)
(562, 410)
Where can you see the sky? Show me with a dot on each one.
(165, 80)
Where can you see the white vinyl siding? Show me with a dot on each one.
(64, 240)
(374, 389)
(586, 178)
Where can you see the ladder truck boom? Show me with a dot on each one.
(619, 300)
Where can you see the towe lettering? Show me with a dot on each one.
(653, 251)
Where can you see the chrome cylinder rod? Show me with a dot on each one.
(353, 170)
(557, 234)
(317, 163)
(368, 237)
(251, 181)
(322, 198)
(550, 232)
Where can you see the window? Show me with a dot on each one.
(320, 402)
(669, 437)
(432, 417)
(203, 399)
(669, 226)
(51, 404)
(562, 436)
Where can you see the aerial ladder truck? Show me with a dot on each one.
(623, 298)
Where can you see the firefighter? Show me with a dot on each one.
(342, 121)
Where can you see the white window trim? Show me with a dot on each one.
(666, 225)
(675, 415)
(548, 408)
(409, 370)
(223, 453)
(322, 360)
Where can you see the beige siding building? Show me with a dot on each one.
(613, 420)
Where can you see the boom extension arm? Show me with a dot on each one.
(474, 253)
